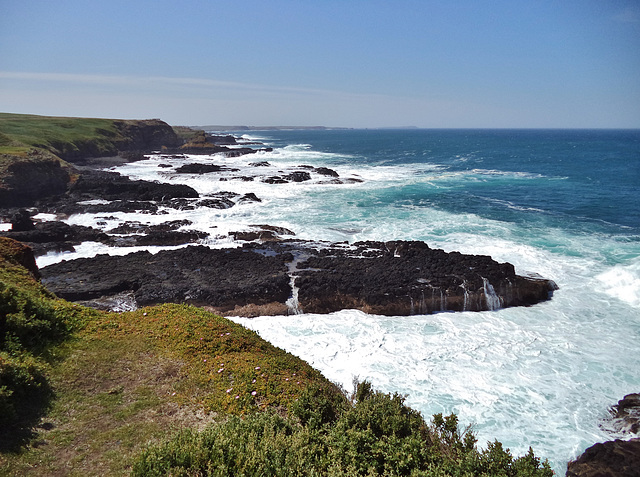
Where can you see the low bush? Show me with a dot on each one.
(376, 435)
(31, 322)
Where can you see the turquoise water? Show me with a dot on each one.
(561, 204)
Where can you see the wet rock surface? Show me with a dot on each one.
(616, 458)
(56, 236)
(393, 278)
(195, 274)
(625, 416)
(405, 278)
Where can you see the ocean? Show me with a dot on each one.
(561, 204)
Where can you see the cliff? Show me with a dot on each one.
(37, 153)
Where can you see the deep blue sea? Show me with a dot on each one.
(563, 204)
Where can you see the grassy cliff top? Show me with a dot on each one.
(35, 151)
(84, 391)
(25, 130)
(67, 137)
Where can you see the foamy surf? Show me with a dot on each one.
(542, 376)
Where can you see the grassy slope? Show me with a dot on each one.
(58, 135)
(123, 380)
(21, 133)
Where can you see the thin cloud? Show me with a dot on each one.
(136, 82)
(628, 15)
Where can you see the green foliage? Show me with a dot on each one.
(27, 322)
(377, 435)
(318, 406)
(22, 384)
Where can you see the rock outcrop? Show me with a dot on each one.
(56, 236)
(617, 458)
(113, 186)
(608, 459)
(20, 254)
(393, 278)
(31, 170)
(25, 179)
(222, 279)
(406, 278)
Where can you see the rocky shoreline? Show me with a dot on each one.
(291, 276)
(270, 272)
(618, 457)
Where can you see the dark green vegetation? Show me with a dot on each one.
(84, 392)
(375, 435)
(36, 151)
(31, 322)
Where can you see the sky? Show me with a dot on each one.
(342, 63)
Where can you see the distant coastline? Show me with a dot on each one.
(267, 128)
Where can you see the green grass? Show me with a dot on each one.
(176, 390)
(58, 135)
(105, 385)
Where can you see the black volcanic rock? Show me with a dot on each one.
(56, 236)
(161, 234)
(21, 221)
(392, 278)
(404, 278)
(113, 186)
(70, 207)
(298, 176)
(195, 168)
(195, 274)
(615, 458)
(227, 140)
(325, 171)
(137, 227)
(249, 197)
(608, 459)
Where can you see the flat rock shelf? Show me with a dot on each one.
(294, 276)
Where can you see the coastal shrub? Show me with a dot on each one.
(318, 406)
(376, 435)
(23, 386)
(27, 322)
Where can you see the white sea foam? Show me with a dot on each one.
(540, 376)
(526, 376)
(623, 283)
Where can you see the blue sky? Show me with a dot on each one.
(351, 63)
